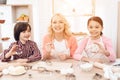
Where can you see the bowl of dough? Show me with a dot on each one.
(86, 66)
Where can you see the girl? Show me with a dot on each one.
(23, 50)
(96, 47)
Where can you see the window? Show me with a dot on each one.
(77, 12)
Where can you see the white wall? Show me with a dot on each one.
(107, 10)
(42, 12)
(118, 36)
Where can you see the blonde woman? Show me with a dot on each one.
(59, 42)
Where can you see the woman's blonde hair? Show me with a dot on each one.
(67, 33)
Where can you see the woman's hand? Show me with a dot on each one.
(62, 56)
(46, 56)
(48, 47)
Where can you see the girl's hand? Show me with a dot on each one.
(102, 50)
(97, 60)
(86, 59)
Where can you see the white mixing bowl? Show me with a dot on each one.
(86, 66)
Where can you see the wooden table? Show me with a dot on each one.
(37, 75)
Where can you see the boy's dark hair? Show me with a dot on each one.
(20, 27)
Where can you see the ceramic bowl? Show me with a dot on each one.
(86, 66)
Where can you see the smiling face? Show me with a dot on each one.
(95, 29)
(25, 35)
(57, 24)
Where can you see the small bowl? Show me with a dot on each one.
(86, 66)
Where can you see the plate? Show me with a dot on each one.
(17, 71)
(16, 74)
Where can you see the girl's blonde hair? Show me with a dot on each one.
(67, 33)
